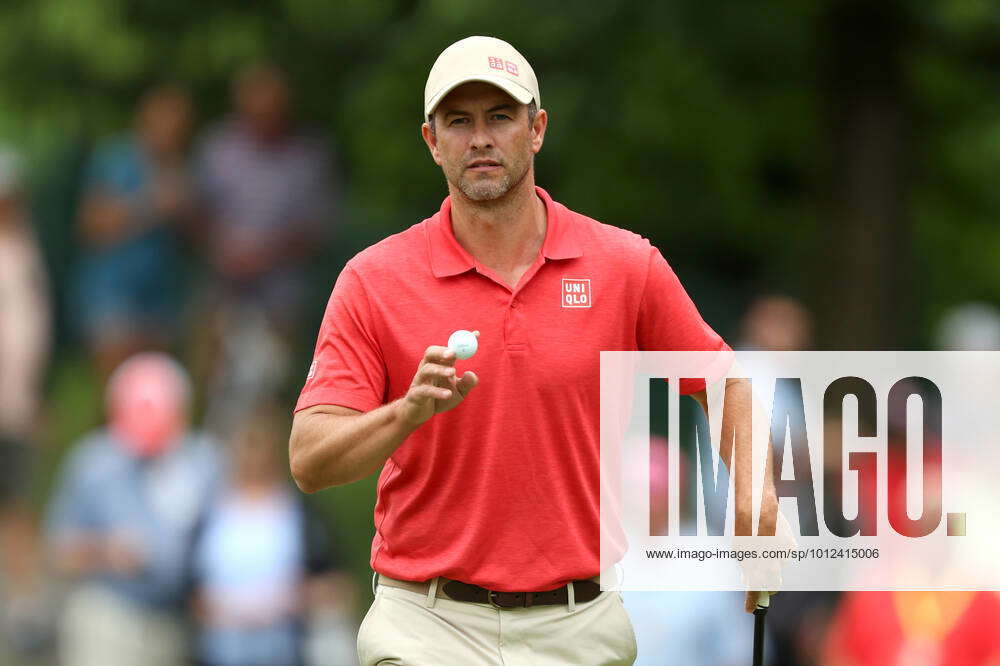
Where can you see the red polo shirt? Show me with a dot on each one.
(501, 491)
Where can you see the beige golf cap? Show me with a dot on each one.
(486, 59)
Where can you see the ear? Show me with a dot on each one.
(431, 140)
(538, 126)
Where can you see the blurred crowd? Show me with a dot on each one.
(172, 534)
(163, 541)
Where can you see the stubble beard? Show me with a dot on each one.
(476, 189)
(484, 190)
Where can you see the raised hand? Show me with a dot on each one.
(435, 387)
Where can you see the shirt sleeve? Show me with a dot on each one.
(347, 368)
(668, 319)
(72, 510)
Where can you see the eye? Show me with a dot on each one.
(500, 116)
(458, 121)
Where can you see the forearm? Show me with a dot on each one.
(746, 409)
(331, 446)
(737, 430)
(737, 414)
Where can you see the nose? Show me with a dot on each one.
(481, 137)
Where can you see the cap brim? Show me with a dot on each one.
(518, 92)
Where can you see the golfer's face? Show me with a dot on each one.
(482, 140)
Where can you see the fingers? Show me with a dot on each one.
(439, 355)
(429, 373)
(429, 392)
(467, 382)
(755, 598)
(436, 386)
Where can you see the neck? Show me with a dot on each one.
(504, 234)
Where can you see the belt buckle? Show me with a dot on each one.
(494, 603)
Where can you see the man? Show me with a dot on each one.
(266, 188)
(268, 197)
(123, 518)
(486, 541)
(137, 198)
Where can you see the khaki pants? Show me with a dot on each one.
(100, 629)
(401, 630)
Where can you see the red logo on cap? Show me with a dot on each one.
(503, 65)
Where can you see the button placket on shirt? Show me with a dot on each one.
(515, 333)
(515, 336)
(517, 318)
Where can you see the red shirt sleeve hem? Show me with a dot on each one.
(689, 386)
(341, 398)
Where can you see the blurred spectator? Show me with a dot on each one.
(920, 628)
(123, 518)
(267, 194)
(683, 627)
(692, 628)
(970, 327)
(263, 562)
(24, 351)
(136, 195)
(266, 188)
(776, 323)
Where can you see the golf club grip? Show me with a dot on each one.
(758, 635)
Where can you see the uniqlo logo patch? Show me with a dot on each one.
(503, 65)
(576, 293)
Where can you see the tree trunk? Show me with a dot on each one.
(866, 239)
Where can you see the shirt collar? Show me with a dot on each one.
(448, 257)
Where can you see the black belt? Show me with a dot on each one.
(583, 591)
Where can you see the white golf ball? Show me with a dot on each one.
(463, 343)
